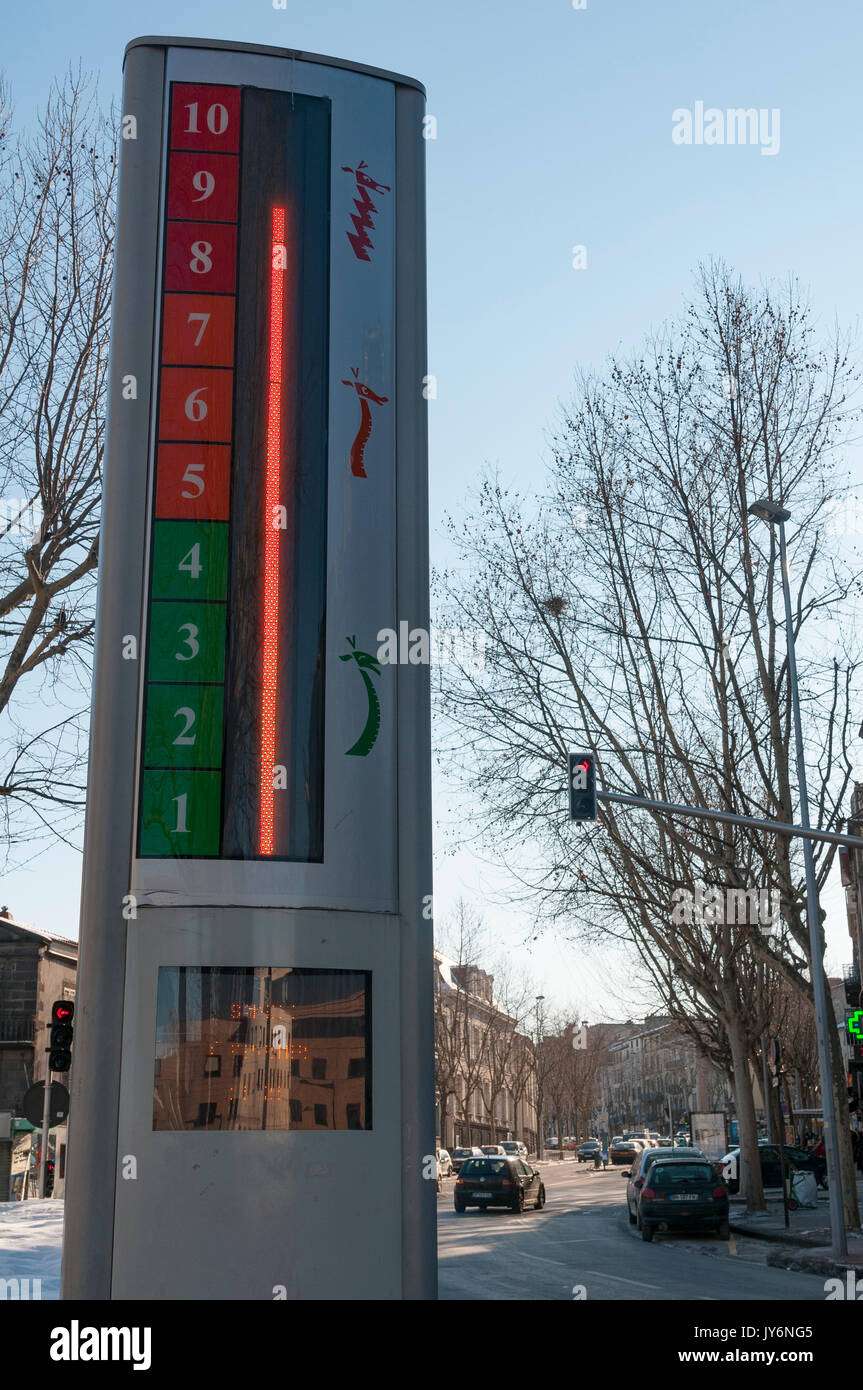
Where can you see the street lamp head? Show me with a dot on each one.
(769, 511)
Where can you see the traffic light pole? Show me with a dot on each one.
(46, 1125)
(781, 827)
(837, 1218)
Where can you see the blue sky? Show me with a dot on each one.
(554, 130)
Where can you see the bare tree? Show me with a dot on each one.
(463, 940)
(505, 1054)
(56, 229)
(636, 610)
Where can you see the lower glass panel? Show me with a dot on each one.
(262, 1047)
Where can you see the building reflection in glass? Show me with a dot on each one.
(262, 1048)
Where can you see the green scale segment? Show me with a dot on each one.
(181, 791)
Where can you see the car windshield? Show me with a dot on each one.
(462, 1153)
(485, 1167)
(669, 1174)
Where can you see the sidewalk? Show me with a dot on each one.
(805, 1244)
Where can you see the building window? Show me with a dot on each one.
(320, 1115)
(296, 1112)
(295, 1066)
(356, 1067)
(319, 1068)
(213, 1065)
(353, 1116)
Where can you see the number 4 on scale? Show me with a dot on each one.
(191, 563)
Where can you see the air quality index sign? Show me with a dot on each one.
(255, 1013)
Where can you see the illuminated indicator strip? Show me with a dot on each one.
(272, 489)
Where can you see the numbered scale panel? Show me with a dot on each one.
(232, 760)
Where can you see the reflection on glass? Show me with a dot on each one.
(262, 1048)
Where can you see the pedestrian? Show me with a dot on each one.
(605, 1158)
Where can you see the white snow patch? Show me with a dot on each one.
(31, 1240)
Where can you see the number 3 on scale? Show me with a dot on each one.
(191, 629)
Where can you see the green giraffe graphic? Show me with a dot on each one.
(365, 662)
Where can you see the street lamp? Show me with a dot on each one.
(771, 512)
(540, 1128)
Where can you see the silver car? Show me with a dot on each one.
(514, 1148)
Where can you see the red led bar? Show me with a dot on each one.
(272, 490)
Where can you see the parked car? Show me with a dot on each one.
(459, 1156)
(551, 1142)
(514, 1148)
(498, 1182)
(444, 1164)
(587, 1150)
(636, 1177)
(771, 1167)
(623, 1151)
(494, 1150)
(683, 1196)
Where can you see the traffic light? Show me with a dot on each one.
(49, 1177)
(60, 1048)
(582, 786)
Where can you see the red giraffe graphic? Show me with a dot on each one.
(365, 394)
(362, 218)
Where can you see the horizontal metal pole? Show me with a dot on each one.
(780, 827)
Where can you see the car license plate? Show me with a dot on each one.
(482, 1194)
(684, 1197)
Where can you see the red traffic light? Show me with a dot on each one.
(62, 1011)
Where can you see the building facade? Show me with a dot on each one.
(36, 968)
(485, 1083)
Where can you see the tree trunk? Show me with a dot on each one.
(750, 1165)
(847, 1173)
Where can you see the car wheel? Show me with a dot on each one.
(518, 1204)
(723, 1230)
(646, 1230)
(540, 1201)
(459, 1206)
(638, 1217)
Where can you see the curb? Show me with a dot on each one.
(778, 1237)
(812, 1264)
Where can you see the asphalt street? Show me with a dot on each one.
(582, 1240)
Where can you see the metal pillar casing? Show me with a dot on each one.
(237, 1213)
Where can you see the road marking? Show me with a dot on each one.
(617, 1279)
(543, 1260)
